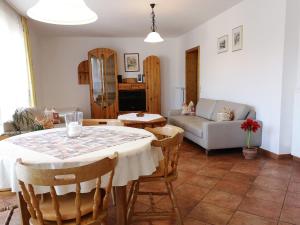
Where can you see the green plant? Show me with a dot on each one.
(23, 117)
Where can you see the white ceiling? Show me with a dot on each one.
(131, 18)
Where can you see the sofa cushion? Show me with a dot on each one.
(240, 110)
(205, 108)
(192, 124)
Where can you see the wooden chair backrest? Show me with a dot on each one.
(169, 140)
(96, 122)
(28, 177)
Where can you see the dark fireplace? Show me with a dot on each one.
(132, 100)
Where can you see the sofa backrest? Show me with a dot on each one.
(240, 111)
(205, 108)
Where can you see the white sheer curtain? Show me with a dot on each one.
(14, 82)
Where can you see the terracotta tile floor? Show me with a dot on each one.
(223, 188)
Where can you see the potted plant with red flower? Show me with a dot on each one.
(250, 126)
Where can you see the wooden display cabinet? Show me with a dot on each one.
(128, 87)
(103, 70)
(83, 72)
(153, 90)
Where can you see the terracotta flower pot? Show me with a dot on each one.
(249, 153)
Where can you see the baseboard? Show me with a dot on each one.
(273, 155)
(295, 158)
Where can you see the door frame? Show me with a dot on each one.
(198, 71)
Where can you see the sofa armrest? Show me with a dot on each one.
(228, 134)
(175, 112)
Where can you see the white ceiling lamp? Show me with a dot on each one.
(153, 36)
(62, 12)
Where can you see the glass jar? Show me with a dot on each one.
(73, 122)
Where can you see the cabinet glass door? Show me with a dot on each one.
(110, 80)
(98, 79)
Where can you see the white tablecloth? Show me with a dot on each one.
(136, 158)
(146, 118)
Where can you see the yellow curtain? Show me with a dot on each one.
(29, 61)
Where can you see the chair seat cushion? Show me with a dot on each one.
(67, 205)
(85, 220)
(193, 124)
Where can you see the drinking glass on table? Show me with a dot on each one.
(74, 124)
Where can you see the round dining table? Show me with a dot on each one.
(52, 148)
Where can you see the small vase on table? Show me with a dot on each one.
(74, 124)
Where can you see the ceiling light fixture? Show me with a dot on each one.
(62, 12)
(153, 36)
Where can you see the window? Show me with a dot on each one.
(14, 77)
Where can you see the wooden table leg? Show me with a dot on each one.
(121, 205)
(25, 216)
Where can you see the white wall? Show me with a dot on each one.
(289, 79)
(296, 98)
(296, 122)
(14, 83)
(252, 75)
(58, 57)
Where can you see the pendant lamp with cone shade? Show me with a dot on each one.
(153, 36)
(62, 12)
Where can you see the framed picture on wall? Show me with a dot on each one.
(131, 62)
(237, 38)
(223, 44)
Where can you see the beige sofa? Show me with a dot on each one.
(204, 130)
(9, 129)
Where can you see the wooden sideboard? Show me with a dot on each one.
(105, 92)
(151, 88)
(134, 86)
(132, 97)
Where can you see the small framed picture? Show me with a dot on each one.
(237, 38)
(223, 44)
(131, 62)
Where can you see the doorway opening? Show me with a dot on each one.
(192, 61)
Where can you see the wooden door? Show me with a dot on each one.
(191, 75)
(103, 83)
(152, 77)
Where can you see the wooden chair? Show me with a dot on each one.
(7, 192)
(72, 208)
(95, 122)
(169, 140)
(110, 122)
